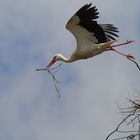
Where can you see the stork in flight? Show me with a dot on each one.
(92, 38)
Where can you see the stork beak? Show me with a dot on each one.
(51, 63)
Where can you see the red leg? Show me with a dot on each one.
(127, 42)
(129, 56)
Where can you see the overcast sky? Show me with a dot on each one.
(31, 32)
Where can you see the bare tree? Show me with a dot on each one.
(129, 127)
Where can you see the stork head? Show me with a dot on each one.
(57, 57)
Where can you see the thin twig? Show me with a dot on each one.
(132, 120)
(133, 116)
(136, 90)
(130, 137)
(130, 131)
(52, 72)
(55, 82)
(120, 138)
(117, 128)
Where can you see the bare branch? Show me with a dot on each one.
(55, 82)
(132, 118)
(137, 91)
(130, 137)
(130, 131)
(52, 72)
(117, 128)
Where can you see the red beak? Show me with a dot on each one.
(51, 63)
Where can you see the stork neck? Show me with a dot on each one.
(67, 59)
(72, 58)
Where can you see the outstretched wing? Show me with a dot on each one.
(110, 31)
(83, 26)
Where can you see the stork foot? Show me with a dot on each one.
(130, 56)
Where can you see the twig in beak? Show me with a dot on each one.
(52, 73)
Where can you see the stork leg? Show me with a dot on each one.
(129, 56)
(127, 42)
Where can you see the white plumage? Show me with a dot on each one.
(92, 38)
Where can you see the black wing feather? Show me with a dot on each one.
(87, 15)
(110, 31)
(102, 32)
(110, 37)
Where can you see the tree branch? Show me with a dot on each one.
(117, 128)
(133, 117)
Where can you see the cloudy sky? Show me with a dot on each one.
(31, 32)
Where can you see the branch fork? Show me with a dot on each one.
(52, 72)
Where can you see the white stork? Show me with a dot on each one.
(92, 38)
